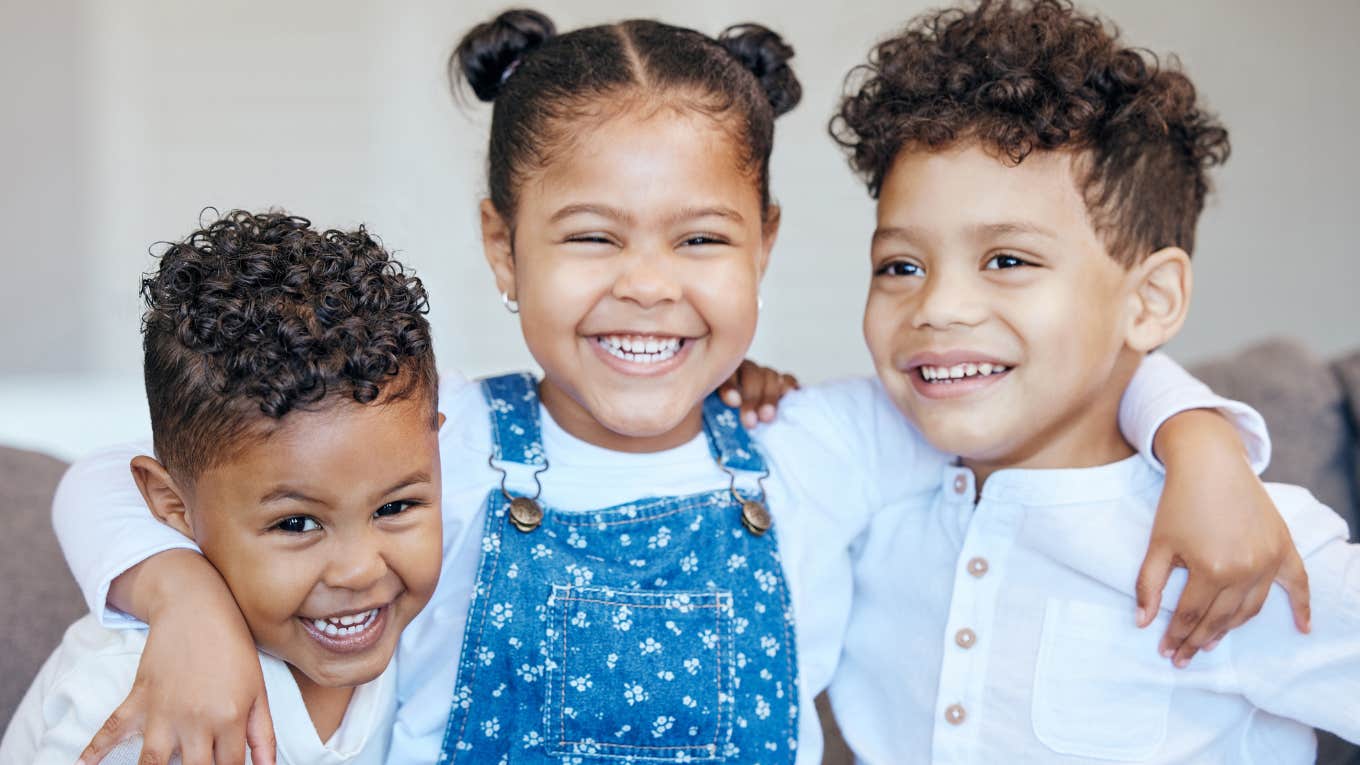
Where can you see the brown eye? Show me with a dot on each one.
(394, 508)
(1005, 260)
(898, 268)
(297, 524)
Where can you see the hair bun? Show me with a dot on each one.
(487, 54)
(766, 55)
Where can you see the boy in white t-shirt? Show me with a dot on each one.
(1038, 186)
(293, 398)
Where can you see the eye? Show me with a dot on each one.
(395, 508)
(592, 238)
(1005, 260)
(297, 524)
(899, 268)
(699, 240)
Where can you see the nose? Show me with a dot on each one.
(648, 276)
(358, 563)
(950, 298)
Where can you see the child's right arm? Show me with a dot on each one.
(198, 690)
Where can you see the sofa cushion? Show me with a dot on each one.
(39, 597)
(1348, 371)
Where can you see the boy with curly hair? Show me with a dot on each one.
(1038, 186)
(293, 396)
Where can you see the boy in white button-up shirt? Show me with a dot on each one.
(293, 398)
(1039, 185)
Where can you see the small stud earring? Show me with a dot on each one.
(510, 305)
(760, 303)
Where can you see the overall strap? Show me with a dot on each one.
(727, 439)
(516, 430)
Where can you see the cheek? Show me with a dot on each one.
(269, 586)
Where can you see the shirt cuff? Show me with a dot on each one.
(111, 617)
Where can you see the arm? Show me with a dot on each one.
(756, 391)
(123, 557)
(1215, 518)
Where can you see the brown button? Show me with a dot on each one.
(755, 517)
(955, 714)
(977, 567)
(525, 514)
(965, 638)
(960, 484)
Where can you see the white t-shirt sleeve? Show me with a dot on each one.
(1162, 389)
(1314, 678)
(105, 528)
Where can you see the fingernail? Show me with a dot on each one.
(748, 419)
(767, 412)
(1181, 663)
(732, 398)
(1141, 616)
(1212, 644)
(1165, 652)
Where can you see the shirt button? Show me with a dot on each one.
(960, 484)
(965, 638)
(955, 714)
(977, 567)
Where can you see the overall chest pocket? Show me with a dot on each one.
(1100, 688)
(643, 675)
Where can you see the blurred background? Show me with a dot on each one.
(125, 119)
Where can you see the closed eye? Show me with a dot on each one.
(699, 240)
(589, 239)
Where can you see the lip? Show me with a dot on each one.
(958, 388)
(636, 369)
(349, 644)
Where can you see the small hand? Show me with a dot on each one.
(1215, 519)
(756, 391)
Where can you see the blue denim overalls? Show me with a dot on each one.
(656, 631)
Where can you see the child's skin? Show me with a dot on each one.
(334, 513)
(999, 281)
(655, 228)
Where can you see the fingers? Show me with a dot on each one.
(1196, 600)
(730, 391)
(1216, 622)
(1151, 581)
(1293, 577)
(157, 746)
(120, 726)
(789, 382)
(260, 734)
(200, 751)
(231, 749)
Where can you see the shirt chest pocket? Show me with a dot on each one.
(642, 675)
(1100, 688)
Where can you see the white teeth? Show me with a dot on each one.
(960, 371)
(352, 624)
(639, 349)
(984, 368)
(956, 371)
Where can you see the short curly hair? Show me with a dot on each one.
(1040, 75)
(256, 315)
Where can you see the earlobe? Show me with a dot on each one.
(769, 233)
(1160, 299)
(498, 247)
(163, 496)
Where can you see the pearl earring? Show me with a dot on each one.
(510, 305)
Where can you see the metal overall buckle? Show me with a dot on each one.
(526, 514)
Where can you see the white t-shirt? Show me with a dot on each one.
(1022, 648)
(838, 454)
(93, 669)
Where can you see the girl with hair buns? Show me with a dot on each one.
(624, 561)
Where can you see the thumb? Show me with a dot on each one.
(1293, 577)
(260, 733)
(1151, 581)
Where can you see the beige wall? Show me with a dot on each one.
(131, 116)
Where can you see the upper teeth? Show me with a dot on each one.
(639, 348)
(959, 371)
(336, 626)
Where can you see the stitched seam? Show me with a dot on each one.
(481, 627)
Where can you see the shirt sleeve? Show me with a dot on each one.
(1162, 389)
(1314, 678)
(105, 528)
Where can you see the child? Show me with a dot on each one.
(623, 561)
(1038, 185)
(292, 389)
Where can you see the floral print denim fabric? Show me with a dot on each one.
(656, 631)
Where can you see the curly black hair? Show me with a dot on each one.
(1026, 75)
(256, 315)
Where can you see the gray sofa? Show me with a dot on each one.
(1311, 406)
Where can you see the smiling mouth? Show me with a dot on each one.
(942, 375)
(349, 633)
(641, 349)
(345, 626)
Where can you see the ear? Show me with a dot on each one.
(769, 233)
(442, 420)
(163, 496)
(498, 245)
(1160, 299)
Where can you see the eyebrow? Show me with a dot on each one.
(623, 216)
(288, 493)
(977, 230)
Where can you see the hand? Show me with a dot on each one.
(756, 391)
(198, 689)
(1215, 519)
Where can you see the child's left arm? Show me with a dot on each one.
(1215, 518)
(756, 391)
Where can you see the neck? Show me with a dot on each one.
(326, 706)
(580, 423)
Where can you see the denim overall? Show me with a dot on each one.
(655, 631)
